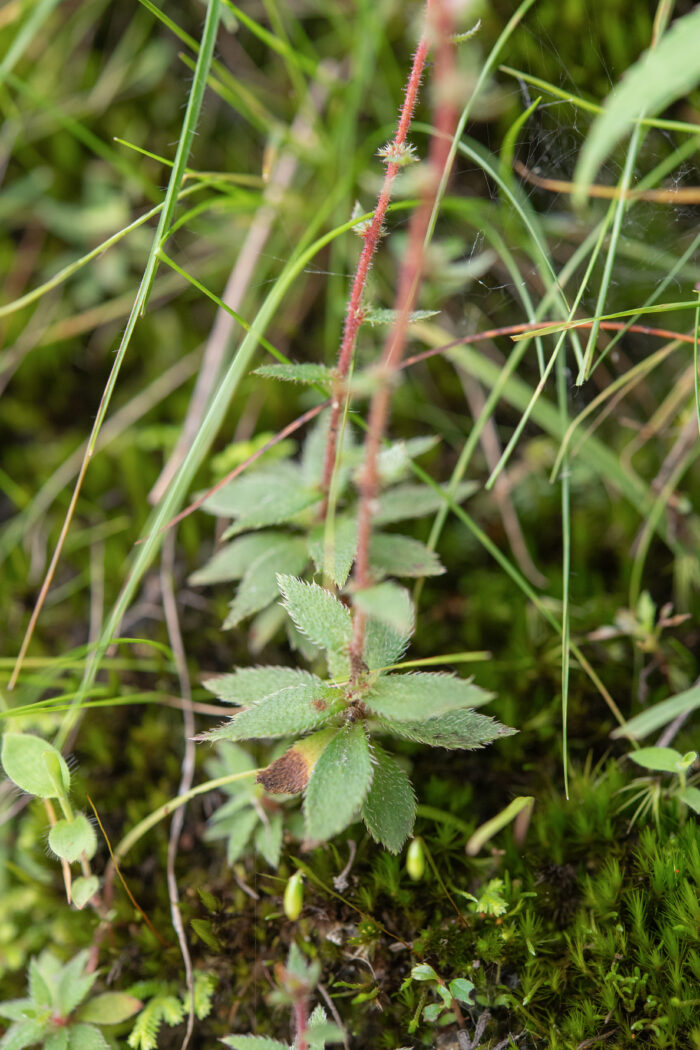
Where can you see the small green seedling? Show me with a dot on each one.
(295, 983)
(167, 1005)
(648, 791)
(458, 990)
(55, 1016)
(38, 768)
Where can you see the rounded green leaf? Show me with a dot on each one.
(23, 759)
(69, 839)
(109, 1008)
(659, 759)
(83, 890)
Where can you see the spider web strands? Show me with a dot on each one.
(682, 195)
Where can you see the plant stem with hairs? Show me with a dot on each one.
(439, 27)
(396, 154)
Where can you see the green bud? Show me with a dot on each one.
(415, 859)
(294, 896)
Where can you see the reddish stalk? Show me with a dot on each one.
(409, 282)
(354, 313)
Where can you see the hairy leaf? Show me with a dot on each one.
(381, 316)
(69, 839)
(234, 559)
(317, 613)
(394, 555)
(388, 603)
(258, 588)
(294, 710)
(419, 696)
(268, 839)
(307, 373)
(456, 730)
(415, 501)
(384, 646)
(389, 811)
(339, 783)
(246, 685)
(109, 1008)
(342, 543)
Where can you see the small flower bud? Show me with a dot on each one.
(415, 859)
(294, 896)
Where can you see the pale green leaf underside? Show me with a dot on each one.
(69, 839)
(308, 373)
(233, 560)
(393, 463)
(389, 811)
(258, 588)
(388, 603)
(339, 783)
(394, 555)
(663, 74)
(337, 554)
(415, 501)
(385, 316)
(417, 697)
(317, 613)
(268, 839)
(294, 710)
(456, 730)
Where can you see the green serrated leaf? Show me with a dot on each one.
(389, 811)
(317, 613)
(320, 1034)
(419, 696)
(237, 831)
(246, 685)
(109, 1008)
(73, 983)
(314, 452)
(291, 711)
(336, 557)
(661, 759)
(383, 645)
(307, 373)
(232, 561)
(39, 986)
(22, 1034)
(264, 497)
(205, 931)
(339, 783)
(258, 588)
(69, 839)
(394, 555)
(663, 74)
(456, 730)
(415, 501)
(84, 889)
(86, 1037)
(23, 761)
(389, 603)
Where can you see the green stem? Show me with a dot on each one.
(171, 805)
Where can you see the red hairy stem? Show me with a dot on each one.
(371, 236)
(301, 1020)
(445, 119)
